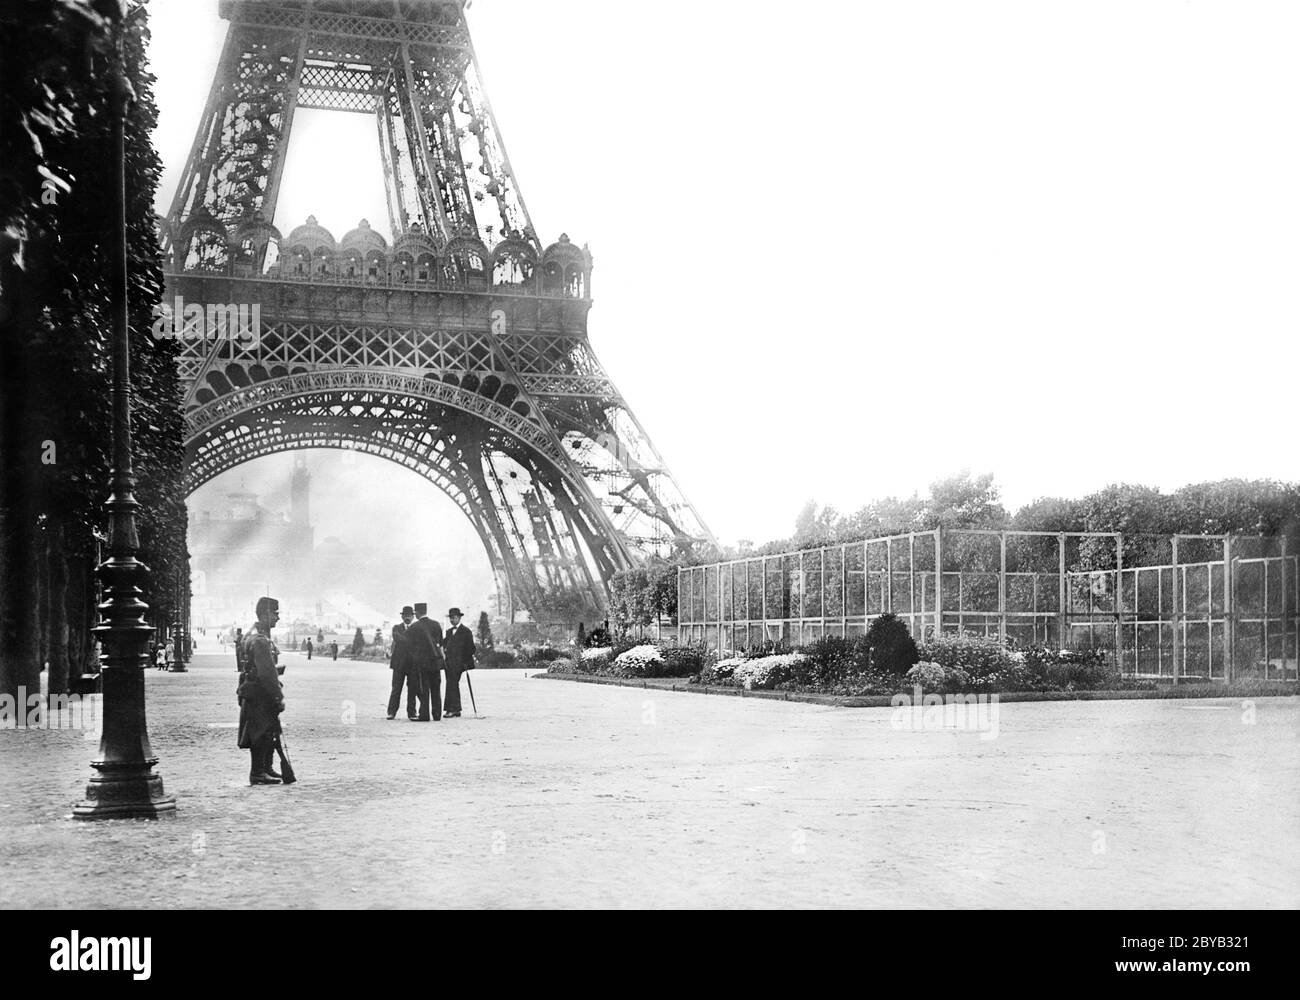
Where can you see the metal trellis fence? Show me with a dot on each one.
(1166, 606)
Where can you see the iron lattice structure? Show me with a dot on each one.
(1165, 606)
(459, 351)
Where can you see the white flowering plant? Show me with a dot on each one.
(640, 661)
(937, 678)
(761, 673)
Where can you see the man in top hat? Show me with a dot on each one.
(399, 662)
(424, 639)
(458, 651)
(261, 697)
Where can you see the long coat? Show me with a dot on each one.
(399, 657)
(458, 646)
(261, 696)
(424, 639)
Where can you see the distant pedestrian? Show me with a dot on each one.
(309, 647)
(334, 650)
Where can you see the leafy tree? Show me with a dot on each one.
(1240, 506)
(1049, 514)
(644, 595)
(661, 583)
(485, 631)
(55, 329)
(962, 502)
(889, 516)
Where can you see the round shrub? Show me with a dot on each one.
(936, 678)
(765, 673)
(893, 650)
(594, 660)
(684, 661)
(928, 675)
(722, 672)
(640, 661)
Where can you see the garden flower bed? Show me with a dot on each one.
(886, 661)
(635, 660)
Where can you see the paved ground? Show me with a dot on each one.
(582, 795)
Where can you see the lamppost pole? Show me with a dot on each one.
(122, 783)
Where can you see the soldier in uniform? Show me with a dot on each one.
(261, 697)
(399, 662)
(424, 640)
(458, 650)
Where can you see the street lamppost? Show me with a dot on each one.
(122, 783)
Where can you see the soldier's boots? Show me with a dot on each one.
(262, 772)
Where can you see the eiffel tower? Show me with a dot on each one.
(459, 351)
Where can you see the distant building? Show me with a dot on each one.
(240, 551)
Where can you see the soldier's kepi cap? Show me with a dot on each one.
(421, 609)
(407, 609)
(454, 613)
(265, 605)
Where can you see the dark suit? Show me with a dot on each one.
(458, 650)
(424, 639)
(399, 662)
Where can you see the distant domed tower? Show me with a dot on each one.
(300, 494)
(304, 542)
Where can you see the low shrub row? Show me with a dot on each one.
(949, 663)
(885, 660)
(637, 660)
(540, 654)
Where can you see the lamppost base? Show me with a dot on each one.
(180, 668)
(128, 793)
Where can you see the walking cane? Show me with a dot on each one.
(470, 681)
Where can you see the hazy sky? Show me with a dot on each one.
(843, 249)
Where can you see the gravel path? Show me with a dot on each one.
(580, 795)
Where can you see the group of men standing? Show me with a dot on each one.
(420, 652)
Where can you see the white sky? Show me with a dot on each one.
(843, 249)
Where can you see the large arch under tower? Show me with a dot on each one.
(459, 351)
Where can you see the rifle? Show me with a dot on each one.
(286, 769)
